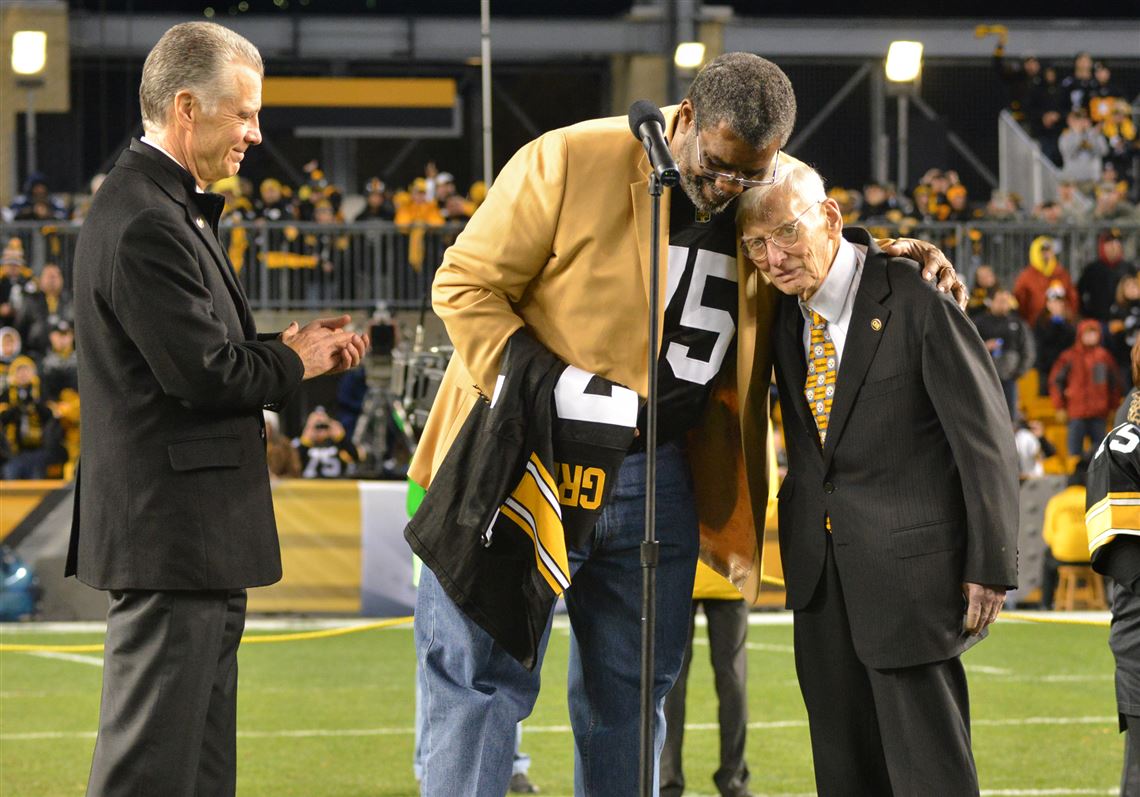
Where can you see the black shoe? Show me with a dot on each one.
(520, 784)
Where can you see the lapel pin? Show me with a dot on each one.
(876, 324)
(200, 222)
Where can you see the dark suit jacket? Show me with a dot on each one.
(919, 473)
(173, 485)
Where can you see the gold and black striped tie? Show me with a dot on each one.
(819, 388)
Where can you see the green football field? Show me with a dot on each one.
(334, 716)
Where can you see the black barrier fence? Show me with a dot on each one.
(306, 266)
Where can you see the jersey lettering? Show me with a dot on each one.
(573, 403)
(696, 315)
(581, 487)
(325, 461)
(1125, 440)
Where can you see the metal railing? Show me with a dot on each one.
(307, 266)
(1023, 169)
(298, 266)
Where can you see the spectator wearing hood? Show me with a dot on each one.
(1009, 342)
(1043, 272)
(24, 419)
(1100, 278)
(1085, 388)
(1054, 332)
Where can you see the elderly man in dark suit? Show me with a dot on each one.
(174, 516)
(898, 516)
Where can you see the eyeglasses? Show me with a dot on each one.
(784, 237)
(743, 182)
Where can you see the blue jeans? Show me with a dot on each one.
(520, 764)
(1079, 429)
(474, 693)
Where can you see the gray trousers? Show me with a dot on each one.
(903, 732)
(728, 631)
(168, 716)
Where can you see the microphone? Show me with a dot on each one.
(648, 126)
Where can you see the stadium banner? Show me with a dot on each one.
(361, 107)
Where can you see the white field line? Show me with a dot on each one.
(303, 733)
(78, 658)
(984, 670)
(704, 642)
(768, 618)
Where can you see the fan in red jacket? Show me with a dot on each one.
(1043, 272)
(1085, 387)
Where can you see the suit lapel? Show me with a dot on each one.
(200, 215)
(205, 225)
(861, 344)
(790, 353)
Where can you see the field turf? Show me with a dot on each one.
(334, 716)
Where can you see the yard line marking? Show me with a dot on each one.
(94, 661)
(769, 648)
(984, 670)
(1049, 721)
(1031, 792)
(703, 641)
(689, 726)
(49, 735)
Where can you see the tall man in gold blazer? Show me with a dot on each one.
(561, 249)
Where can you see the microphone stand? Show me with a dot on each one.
(649, 546)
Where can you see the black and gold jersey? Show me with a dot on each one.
(1113, 503)
(523, 482)
(699, 327)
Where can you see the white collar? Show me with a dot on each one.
(832, 297)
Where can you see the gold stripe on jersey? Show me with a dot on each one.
(1116, 513)
(534, 508)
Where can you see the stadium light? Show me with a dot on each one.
(29, 57)
(904, 71)
(904, 61)
(689, 55)
(29, 52)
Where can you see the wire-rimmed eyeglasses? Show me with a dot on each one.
(743, 182)
(784, 237)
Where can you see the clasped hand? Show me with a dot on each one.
(325, 346)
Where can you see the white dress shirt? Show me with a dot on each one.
(835, 298)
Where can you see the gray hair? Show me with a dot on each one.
(190, 56)
(796, 180)
(751, 93)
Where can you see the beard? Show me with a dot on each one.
(693, 184)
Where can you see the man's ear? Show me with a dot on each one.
(834, 216)
(685, 115)
(184, 107)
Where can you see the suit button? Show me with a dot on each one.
(828, 488)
